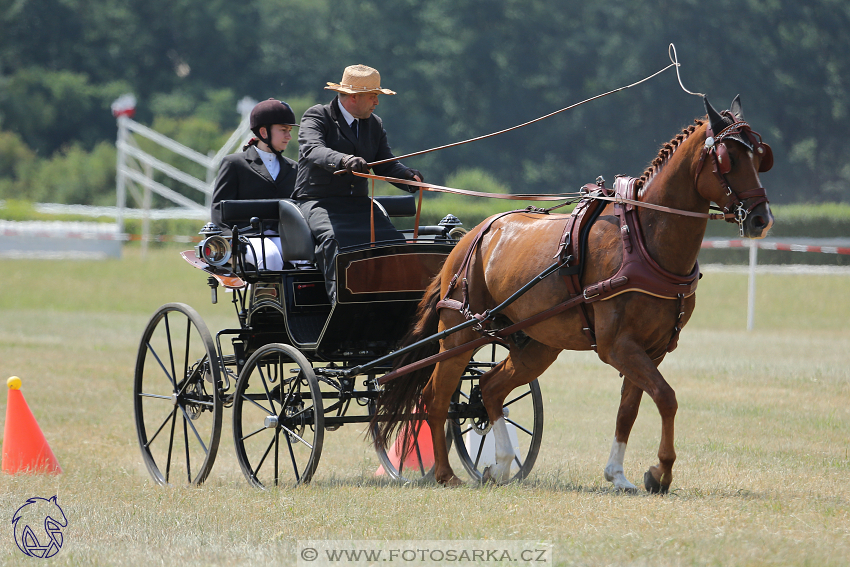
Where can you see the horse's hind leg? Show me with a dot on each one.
(520, 367)
(626, 415)
(437, 397)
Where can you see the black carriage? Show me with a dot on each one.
(297, 365)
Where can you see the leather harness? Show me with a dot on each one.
(638, 271)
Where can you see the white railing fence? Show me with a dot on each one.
(135, 167)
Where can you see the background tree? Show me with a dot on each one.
(462, 68)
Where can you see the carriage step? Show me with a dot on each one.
(306, 328)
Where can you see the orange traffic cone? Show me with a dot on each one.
(426, 451)
(24, 447)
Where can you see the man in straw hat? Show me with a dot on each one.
(345, 135)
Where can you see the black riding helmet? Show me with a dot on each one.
(267, 113)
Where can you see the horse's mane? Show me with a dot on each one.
(665, 152)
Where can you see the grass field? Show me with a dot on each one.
(763, 440)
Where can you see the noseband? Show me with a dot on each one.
(715, 146)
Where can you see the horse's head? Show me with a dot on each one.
(737, 155)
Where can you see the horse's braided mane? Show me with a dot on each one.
(666, 151)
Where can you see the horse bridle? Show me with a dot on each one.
(715, 146)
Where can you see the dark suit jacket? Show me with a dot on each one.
(324, 139)
(244, 176)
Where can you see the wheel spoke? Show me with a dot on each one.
(151, 440)
(254, 433)
(518, 426)
(186, 353)
(161, 365)
(518, 398)
(263, 459)
(480, 448)
(292, 458)
(253, 401)
(170, 445)
(186, 440)
(170, 351)
(276, 459)
(292, 433)
(266, 387)
(188, 420)
(145, 395)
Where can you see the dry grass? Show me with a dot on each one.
(763, 439)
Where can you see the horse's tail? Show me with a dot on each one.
(401, 397)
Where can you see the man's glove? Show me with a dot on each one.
(412, 174)
(355, 164)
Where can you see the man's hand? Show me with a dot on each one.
(415, 175)
(355, 164)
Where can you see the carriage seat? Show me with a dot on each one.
(279, 215)
(397, 205)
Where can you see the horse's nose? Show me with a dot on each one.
(759, 222)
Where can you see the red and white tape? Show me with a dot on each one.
(775, 246)
(103, 231)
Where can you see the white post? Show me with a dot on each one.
(121, 181)
(122, 108)
(751, 293)
(146, 211)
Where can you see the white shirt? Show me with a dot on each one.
(349, 118)
(271, 162)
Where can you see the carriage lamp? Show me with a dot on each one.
(453, 226)
(450, 220)
(214, 249)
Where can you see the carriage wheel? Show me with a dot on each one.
(278, 417)
(175, 393)
(474, 441)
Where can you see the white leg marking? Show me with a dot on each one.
(614, 469)
(501, 471)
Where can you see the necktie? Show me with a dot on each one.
(354, 125)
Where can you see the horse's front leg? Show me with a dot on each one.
(638, 368)
(629, 406)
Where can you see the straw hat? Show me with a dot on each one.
(359, 79)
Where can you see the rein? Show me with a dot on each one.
(546, 197)
(671, 52)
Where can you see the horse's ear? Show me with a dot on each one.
(736, 107)
(714, 119)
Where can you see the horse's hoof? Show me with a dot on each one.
(653, 486)
(452, 481)
(486, 477)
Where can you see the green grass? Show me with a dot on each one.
(762, 439)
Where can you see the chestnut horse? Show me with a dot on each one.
(632, 329)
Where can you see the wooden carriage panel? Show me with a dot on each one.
(396, 273)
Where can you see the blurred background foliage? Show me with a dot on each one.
(462, 68)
